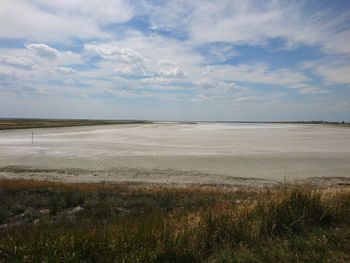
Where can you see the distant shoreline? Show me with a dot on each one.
(31, 123)
(12, 124)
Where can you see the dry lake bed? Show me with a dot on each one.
(172, 153)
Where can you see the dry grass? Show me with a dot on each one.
(138, 223)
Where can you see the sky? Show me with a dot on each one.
(252, 60)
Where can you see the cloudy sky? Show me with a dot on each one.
(175, 60)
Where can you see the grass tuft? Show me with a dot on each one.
(296, 212)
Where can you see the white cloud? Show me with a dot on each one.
(312, 90)
(167, 63)
(136, 69)
(22, 62)
(256, 73)
(217, 85)
(119, 93)
(250, 99)
(123, 54)
(44, 71)
(157, 48)
(46, 55)
(175, 72)
(333, 70)
(65, 70)
(127, 61)
(156, 80)
(237, 22)
(171, 16)
(61, 20)
(220, 91)
(166, 75)
(219, 52)
(255, 23)
(101, 11)
(43, 50)
(200, 98)
(207, 70)
(157, 67)
(6, 73)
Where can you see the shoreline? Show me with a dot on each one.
(29, 123)
(155, 178)
(19, 124)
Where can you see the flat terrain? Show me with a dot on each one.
(171, 153)
(8, 124)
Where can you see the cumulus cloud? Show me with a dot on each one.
(175, 72)
(43, 50)
(166, 75)
(65, 70)
(130, 69)
(211, 89)
(22, 62)
(115, 53)
(127, 61)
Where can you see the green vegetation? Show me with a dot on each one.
(56, 222)
(7, 124)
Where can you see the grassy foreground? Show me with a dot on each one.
(56, 222)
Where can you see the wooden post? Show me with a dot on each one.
(32, 137)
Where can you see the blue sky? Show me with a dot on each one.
(175, 60)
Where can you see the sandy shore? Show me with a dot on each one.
(228, 154)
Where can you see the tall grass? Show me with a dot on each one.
(294, 212)
(136, 224)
